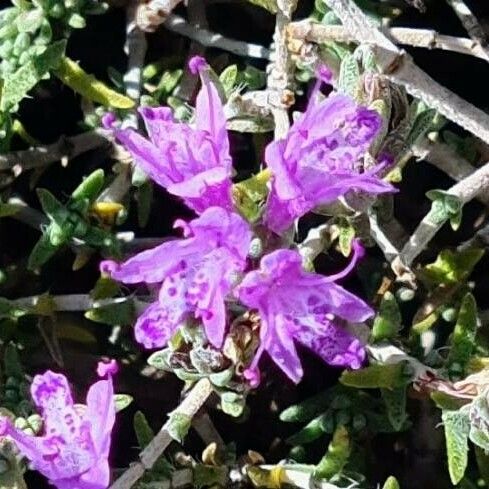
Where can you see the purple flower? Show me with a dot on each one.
(74, 449)
(297, 305)
(196, 274)
(319, 159)
(192, 162)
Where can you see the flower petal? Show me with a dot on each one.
(146, 155)
(100, 414)
(332, 343)
(156, 324)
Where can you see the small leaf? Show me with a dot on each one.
(51, 206)
(391, 483)
(30, 20)
(233, 404)
(348, 81)
(387, 376)
(452, 266)
(9, 310)
(463, 337)
(457, 426)
(144, 432)
(18, 84)
(312, 431)
(345, 237)
(91, 186)
(307, 409)
(160, 359)
(104, 288)
(420, 127)
(120, 312)
(178, 425)
(228, 78)
(388, 321)
(250, 195)
(43, 250)
(122, 401)
(72, 75)
(336, 457)
(168, 83)
(395, 402)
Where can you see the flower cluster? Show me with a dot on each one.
(74, 449)
(199, 275)
(319, 160)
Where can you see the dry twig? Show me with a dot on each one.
(312, 31)
(280, 70)
(63, 150)
(465, 190)
(188, 408)
(447, 160)
(210, 39)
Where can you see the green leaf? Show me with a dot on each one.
(270, 5)
(387, 376)
(51, 206)
(348, 81)
(160, 359)
(391, 483)
(452, 267)
(43, 251)
(76, 21)
(122, 401)
(253, 78)
(168, 82)
(395, 402)
(233, 403)
(250, 195)
(72, 75)
(479, 430)
(30, 20)
(420, 127)
(312, 431)
(11, 361)
(345, 237)
(104, 288)
(336, 457)
(228, 78)
(90, 188)
(9, 310)
(178, 425)
(457, 426)
(445, 401)
(463, 337)
(307, 409)
(120, 312)
(388, 321)
(17, 84)
(144, 434)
